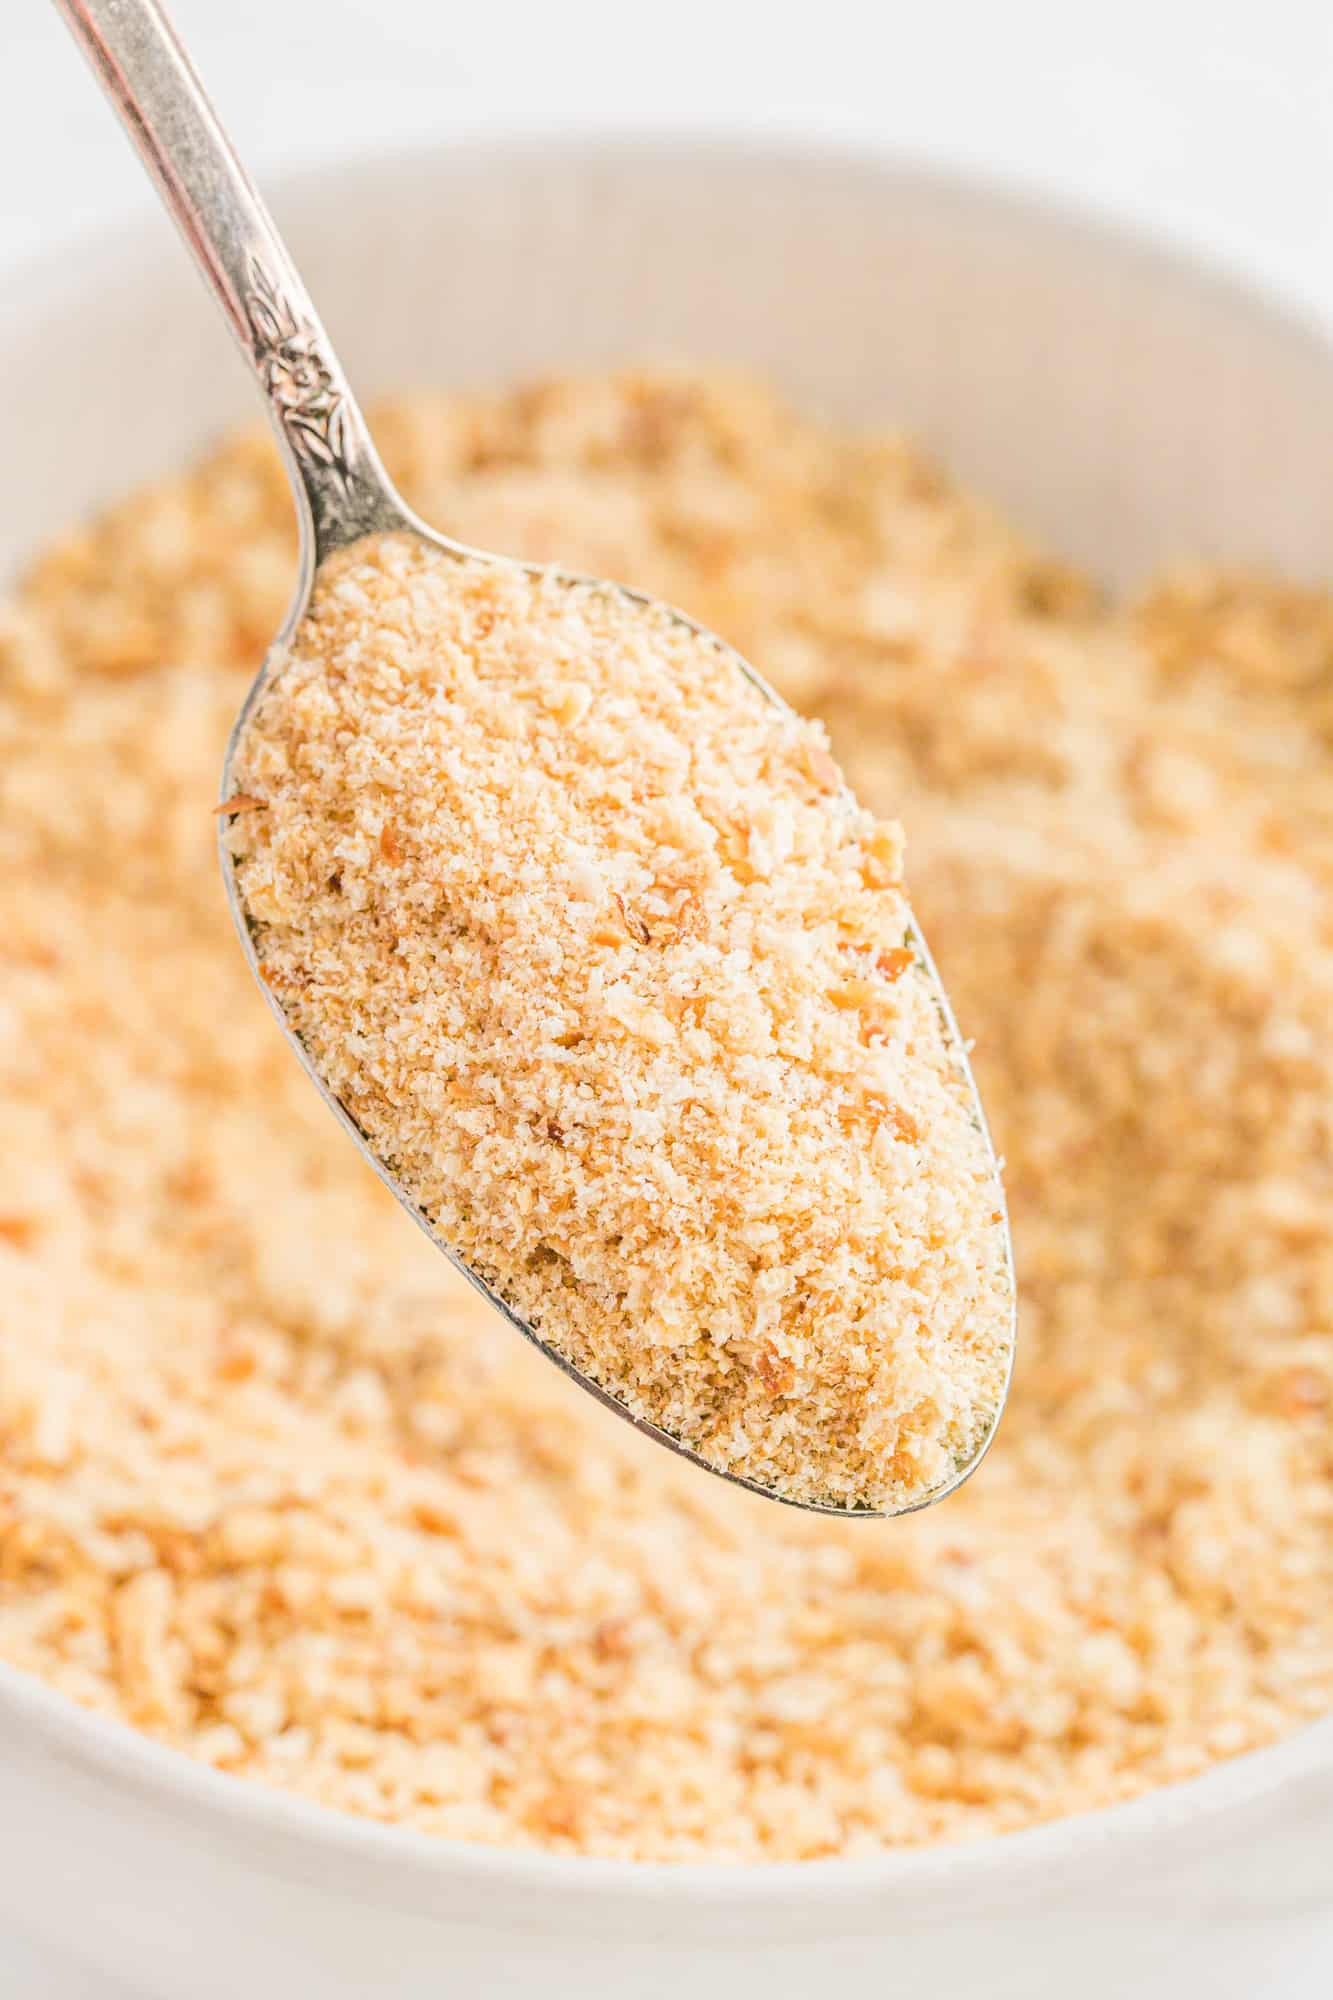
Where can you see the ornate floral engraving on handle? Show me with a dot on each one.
(298, 378)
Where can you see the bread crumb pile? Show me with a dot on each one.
(584, 932)
(278, 1489)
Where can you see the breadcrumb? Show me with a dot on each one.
(401, 1566)
(767, 1148)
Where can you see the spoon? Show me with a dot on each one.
(343, 494)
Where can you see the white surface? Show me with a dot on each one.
(1207, 119)
(187, 1886)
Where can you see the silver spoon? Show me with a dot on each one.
(342, 494)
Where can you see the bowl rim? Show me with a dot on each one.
(72, 259)
(303, 1838)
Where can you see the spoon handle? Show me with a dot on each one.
(342, 490)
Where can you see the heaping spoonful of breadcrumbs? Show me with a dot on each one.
(577, 929)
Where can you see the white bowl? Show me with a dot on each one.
(1125, 405)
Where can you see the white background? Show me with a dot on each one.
(1209, 120)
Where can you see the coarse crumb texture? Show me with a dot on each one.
(586, 935)
(276, 1488)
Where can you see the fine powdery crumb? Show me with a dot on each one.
(583, 931)
(277, 1488)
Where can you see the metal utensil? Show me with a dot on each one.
(341, 489)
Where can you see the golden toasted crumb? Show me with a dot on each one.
(385, 1529)
(636, 926)
(520, 969)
